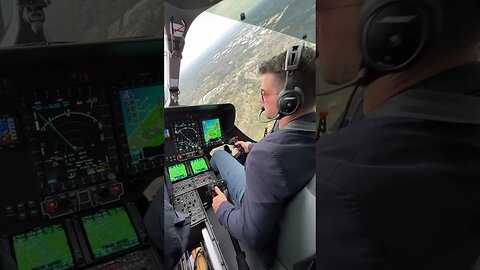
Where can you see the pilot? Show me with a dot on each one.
(276, 168)
(398, 189)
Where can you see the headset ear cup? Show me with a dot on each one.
(289, 101)
(394, 34)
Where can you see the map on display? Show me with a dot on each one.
(177, 172)
(109, 231)
(142, 110)
(198, 165)
(44, 248)
(212, 132)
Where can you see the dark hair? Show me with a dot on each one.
(304, 76)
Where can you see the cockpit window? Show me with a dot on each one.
(295, 18)
(221, 55)
(52, 21)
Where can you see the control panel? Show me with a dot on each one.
(190, 137)
(187, 177)
(190, 203)
(73, 162)
(204, 179)
(184, 186)
(72, 138)
(22, 210)
(80, 135)
(190, 132)
(137, 260)
(193, 183)
(74, 201)
(72, 146)
(111, 239)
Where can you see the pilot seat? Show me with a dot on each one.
(296, 243)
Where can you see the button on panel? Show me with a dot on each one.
(190, 204)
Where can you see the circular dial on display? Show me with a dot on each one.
(187, 137)
(72, 140)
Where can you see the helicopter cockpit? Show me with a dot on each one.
(203, 112)
(78, 137)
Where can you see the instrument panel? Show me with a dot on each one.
(74, 129)
(81, 240)
(191, 137)
(186, 169)
(189, 180)
(71, 133)
(80, 127)
(192, 131)
(187, 136)
(82, 143)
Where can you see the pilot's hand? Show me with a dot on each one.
(217, 200)
(244, 146)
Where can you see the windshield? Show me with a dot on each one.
(40, 21)
(221, 58)
(294, 18)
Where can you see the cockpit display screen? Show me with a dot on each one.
(109, 231)
(142, 110)
(212, 133)
(71, 135)
(43, 248)
(198, 165)
(187, 136)
(177, 172)
(8, 132)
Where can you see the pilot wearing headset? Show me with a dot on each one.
(399, 188)
(278, 166)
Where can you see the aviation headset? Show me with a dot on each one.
(394, 34)
(290, 99)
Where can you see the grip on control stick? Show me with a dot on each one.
(221, 184)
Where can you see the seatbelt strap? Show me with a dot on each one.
(432, 105)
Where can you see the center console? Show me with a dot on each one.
(190, 133)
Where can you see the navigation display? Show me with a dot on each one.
(212, 132)
(43, 248)
(187, 136)
(177, 172)
(142, 110)
(8, 133)
(71, 138)
(198, 165)
(109, 231)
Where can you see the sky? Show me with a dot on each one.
(197, 40)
